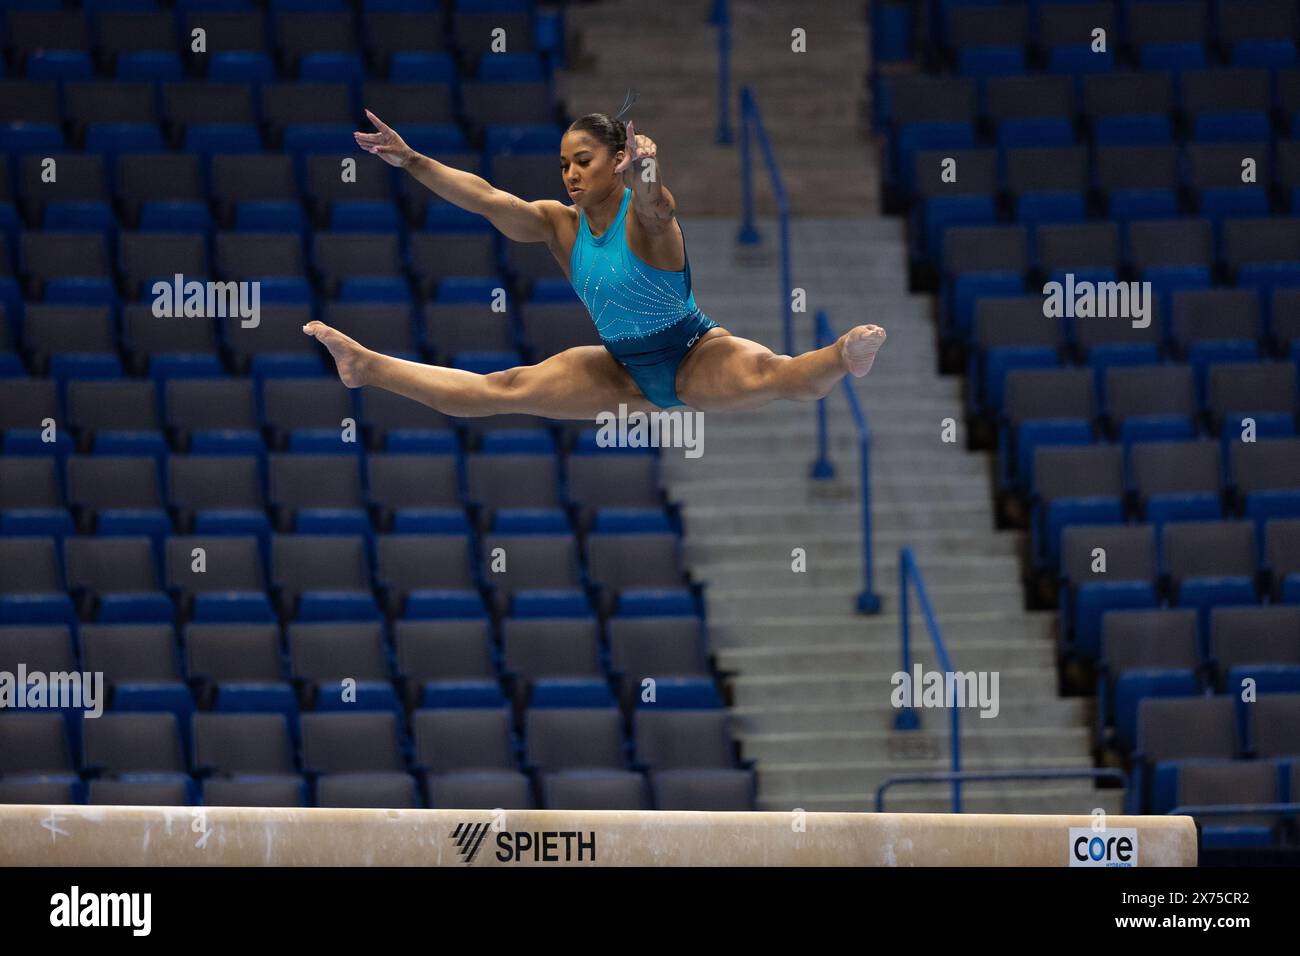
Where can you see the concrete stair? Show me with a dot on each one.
(813, 103)
(810, 680)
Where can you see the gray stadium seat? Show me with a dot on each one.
(1275, 725)
(381, 790)
(682, 739)
(595, 790)
(471, 738)
(571, 739)
(350, 743)
(1196, 549)
(34, 744)
(480, 790)
(232, 744)
(234, 652)
(714, 790)
(120, 743)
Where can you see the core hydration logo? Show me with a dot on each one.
(527, 846)
(1113, 846)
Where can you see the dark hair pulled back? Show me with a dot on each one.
(605, 129)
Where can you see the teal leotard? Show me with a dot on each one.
(646, 317)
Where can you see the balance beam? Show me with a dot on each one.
(254, 836)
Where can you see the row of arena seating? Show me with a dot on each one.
(253, 191)
(312, 39)
(558, 758)
(440, 664)
(76, 269)
(299, 594)
(301, 117)
(1197, 750)
(66, 343)
(1173, 255)
(984, 37)
(1159, 652)
(1059, 406)
(1209, 330)
(237, 416)
(323, 574)
(1152, 456)
(1125, 120)
(1136, 572)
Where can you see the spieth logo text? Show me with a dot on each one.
(1113, 846)
(526, 846)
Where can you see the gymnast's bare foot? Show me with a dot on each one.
(858, 346)
(353, 360)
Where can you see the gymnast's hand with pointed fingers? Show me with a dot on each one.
(385, 144)
(639, 147)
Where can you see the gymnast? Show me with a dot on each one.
(621, 247)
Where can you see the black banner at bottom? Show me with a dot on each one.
(205, 906)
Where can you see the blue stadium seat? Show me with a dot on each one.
(457, 694)
(571, 692)
(422, 604)
(550, 603)
(512, 68)
(175, 216)
(238, 66)
(1134, 686)
(60, 65)
(417, 67)
(149, 65)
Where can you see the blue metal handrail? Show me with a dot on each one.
(822, 468)
(751, 122)
(907, 718)
(721, 18)
(1096, 773)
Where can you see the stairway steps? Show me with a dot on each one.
(811, 778)
(810, 677)
(1022, 684)
(976, 743)
(879, 715)
(812, 601)
(960, 518)
(956, 626)
(725, 550)
(860, 658)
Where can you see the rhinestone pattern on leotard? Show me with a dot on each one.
(627, 298)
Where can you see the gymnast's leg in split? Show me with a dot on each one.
(659, 349)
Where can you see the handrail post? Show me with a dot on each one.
(721, 18)
(787, 313)
(906, 718)
(956, 758)
(868, 600)
(822, 467)
(748, 234)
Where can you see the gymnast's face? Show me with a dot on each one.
(587, 168)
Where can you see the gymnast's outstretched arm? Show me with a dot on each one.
(516, 218)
